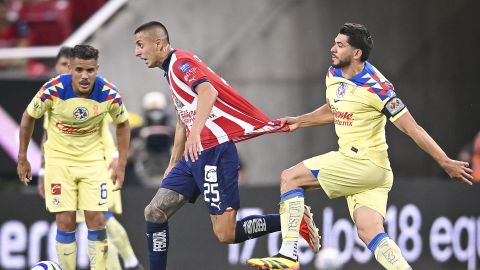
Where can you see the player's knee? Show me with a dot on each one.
(286, 181)
(155, 214)
(225, 236)
(368, 229)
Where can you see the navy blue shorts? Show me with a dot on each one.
(214, 174)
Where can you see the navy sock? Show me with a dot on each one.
(157, 238)
(255, 226)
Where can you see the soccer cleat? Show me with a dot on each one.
(309, 231)
(276, 262)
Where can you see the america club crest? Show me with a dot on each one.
(342, 87)
(80, 114)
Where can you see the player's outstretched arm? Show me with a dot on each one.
(123, 141)
(24, 170)
(455, 169)
(319, 117)
(178, 146)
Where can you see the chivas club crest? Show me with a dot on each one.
(80, 114)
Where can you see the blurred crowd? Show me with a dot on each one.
(39, 23)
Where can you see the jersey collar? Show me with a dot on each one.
(166, 62)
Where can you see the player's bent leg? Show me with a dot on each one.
(65, 244)
(224, 226)
(97, 239)
(163, 205)
(370, 229)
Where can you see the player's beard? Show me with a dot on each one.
(342, 63)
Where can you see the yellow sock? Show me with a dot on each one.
(97, 249)
(119, 238)
(67, 255)
(113, 261)
(388, 254)
(291, 213)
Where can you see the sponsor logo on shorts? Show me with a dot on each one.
(210, 173)
(56, 201)
(56, 189)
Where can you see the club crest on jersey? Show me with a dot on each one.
(184, 67)
(342, 87)
(80, 114)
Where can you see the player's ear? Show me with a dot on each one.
(357, 54)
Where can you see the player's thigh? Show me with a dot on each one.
(93, 187)
(60, 188)
(375, 198)
(216, 176)
(340, 175)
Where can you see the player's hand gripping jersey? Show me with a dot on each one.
(74, 123)
(359, 106)
(232, 116)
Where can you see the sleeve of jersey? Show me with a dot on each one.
(40, 103)
(117, 110)
(392, 107)
(189, 72)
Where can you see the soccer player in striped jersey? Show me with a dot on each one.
(76, 173)
(359, 102)
(212, 116)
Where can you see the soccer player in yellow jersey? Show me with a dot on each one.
(359, 102)
(118, 243)
(76, 173)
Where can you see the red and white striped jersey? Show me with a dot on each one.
(232, 116)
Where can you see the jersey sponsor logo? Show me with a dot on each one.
(159, 241)
(80, 114)
(67, 129)
(56, 189)
(190, 75)
(342, 118)
(184, 67)
(342, 87)
(210, 173)
(36, 106)
(178, 103)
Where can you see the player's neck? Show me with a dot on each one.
(353, 69)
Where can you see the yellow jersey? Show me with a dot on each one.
(76, 127)
(360, 106)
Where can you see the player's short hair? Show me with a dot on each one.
(85, 52)
(64, 52)
(358, 37)
(151, 25)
